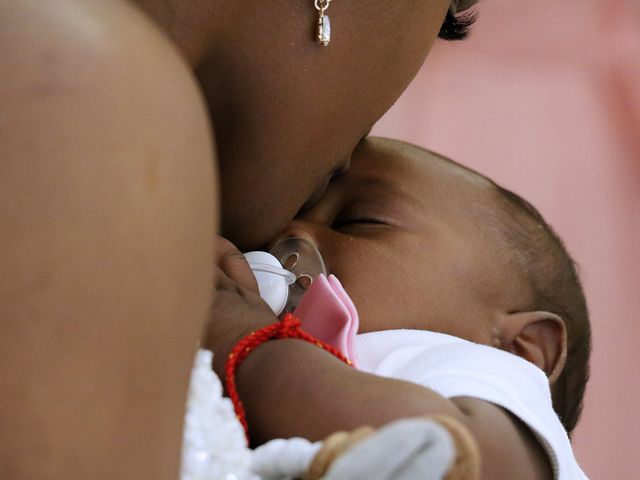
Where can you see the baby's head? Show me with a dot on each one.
(421, 242)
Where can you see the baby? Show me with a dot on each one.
(431, 253)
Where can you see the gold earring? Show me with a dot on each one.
(324, 22)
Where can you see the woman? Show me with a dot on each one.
(108, 205)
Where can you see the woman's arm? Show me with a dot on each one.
(107, 218)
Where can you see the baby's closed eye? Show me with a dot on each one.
(361, 216)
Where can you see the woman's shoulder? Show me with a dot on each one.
(47, 37)
(106, 223)
(93, 67)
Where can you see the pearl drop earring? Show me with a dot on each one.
(323, 36)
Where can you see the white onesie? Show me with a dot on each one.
(454, 367)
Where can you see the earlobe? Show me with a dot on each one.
(539, 337)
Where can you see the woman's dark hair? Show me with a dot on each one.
(457, 26)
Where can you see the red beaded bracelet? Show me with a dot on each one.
(288, 327)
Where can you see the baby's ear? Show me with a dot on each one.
(539, 337)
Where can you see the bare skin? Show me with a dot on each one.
(107, 213)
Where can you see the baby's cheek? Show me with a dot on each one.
(379, 306)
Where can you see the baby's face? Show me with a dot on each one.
(405, 232)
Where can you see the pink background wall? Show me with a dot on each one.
(545, 99)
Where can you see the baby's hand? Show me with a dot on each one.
(237, 308)
(234, 265)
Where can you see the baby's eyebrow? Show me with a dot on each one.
(374, 182)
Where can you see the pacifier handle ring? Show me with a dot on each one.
(265, 267)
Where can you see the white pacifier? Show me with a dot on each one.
(285, 272)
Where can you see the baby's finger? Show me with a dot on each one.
(232, 262)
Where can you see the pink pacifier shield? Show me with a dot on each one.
(327, 313)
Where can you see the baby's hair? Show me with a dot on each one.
(457, 26)
(552, 277)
